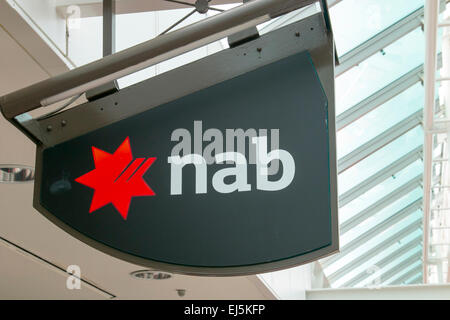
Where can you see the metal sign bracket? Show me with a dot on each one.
(109, 47)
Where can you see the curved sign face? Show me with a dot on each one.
(231, 179)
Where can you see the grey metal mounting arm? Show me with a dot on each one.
(146, 54)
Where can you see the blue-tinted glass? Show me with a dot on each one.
(370, 244)
(355, 21)
(380, 159)
(380, 119)
(381, 216)
(367, 266)
(379, 70)
(416, 279)
(404, 271)
(381, 274)
(381, 190)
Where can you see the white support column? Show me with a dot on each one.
(445, 73)
(431, 25)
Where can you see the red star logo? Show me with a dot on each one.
(117, 178)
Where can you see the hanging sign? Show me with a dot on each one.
(235, 178)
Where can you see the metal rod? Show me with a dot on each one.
(179, 21)
(182, 2)
(216, 9)
(109, 47)
(109, 27)
(146, 54)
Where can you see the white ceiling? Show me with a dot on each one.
(33, 252)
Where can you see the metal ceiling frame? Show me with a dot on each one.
(417, 278)
(374, 231)
(393, 89)
(412, 273)
(355, 56)
(383, 275)
(380, 176)
(386, 37)
(404, 232)
(398, 268)
(382, 203)
(383, 262)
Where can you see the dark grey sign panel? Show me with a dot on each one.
(120, 189)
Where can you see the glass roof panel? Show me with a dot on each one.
(380, 159)
(373, 265)
(384, 240)
(380, 275)
(379, 70)
(381, 216)
(368, 17)
(373, 242)
(417, 279)
(381, 190)
(402, 272)
(380, 119)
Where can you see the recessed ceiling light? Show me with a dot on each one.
(16, 173)
(151, 275)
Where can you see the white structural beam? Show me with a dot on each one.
(430, 66)
(380, 141)
(445, 74)
(380, 176)
(419, 292)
